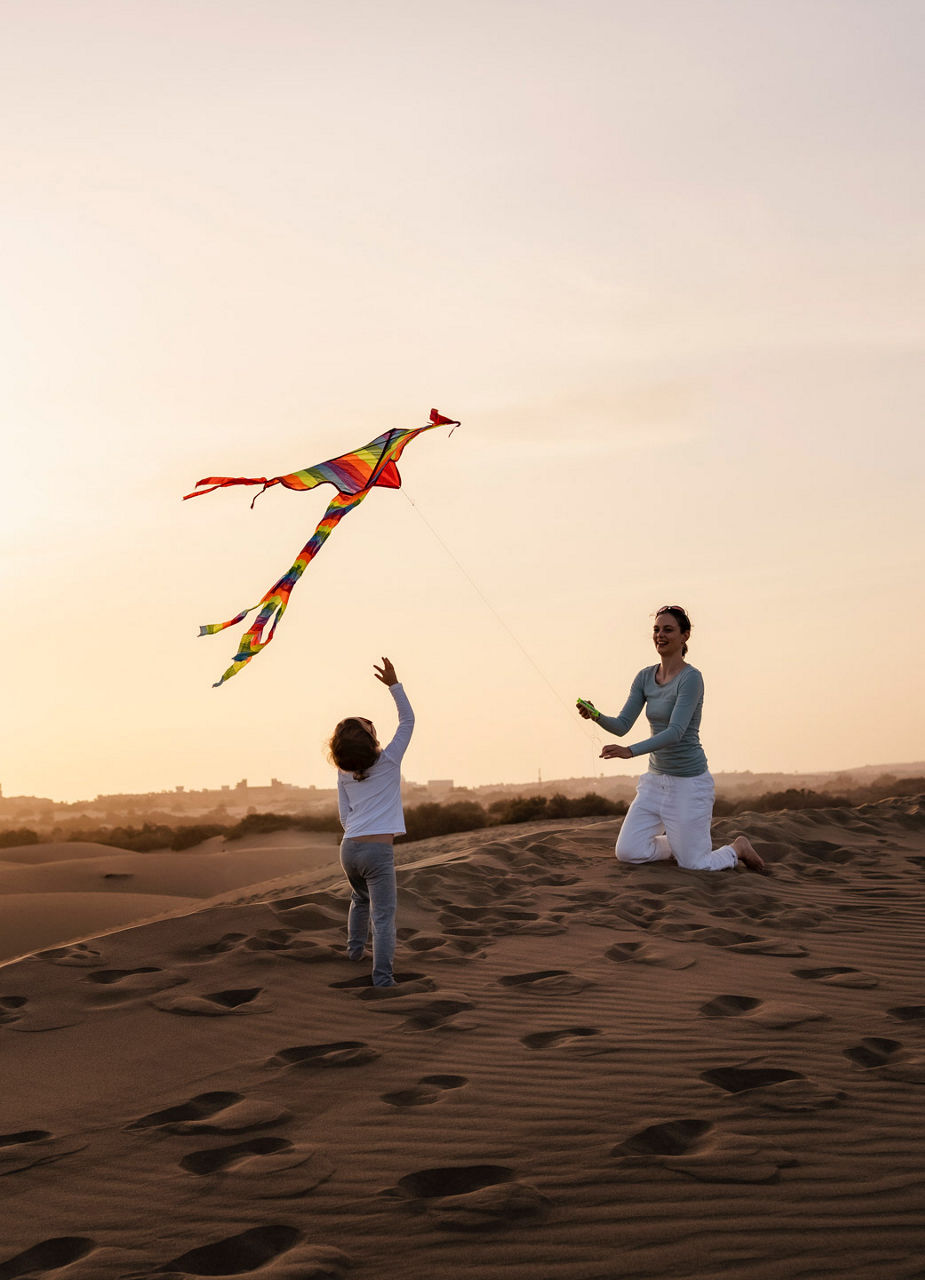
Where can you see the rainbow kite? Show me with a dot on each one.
(354, 475)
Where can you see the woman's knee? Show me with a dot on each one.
(628, 849)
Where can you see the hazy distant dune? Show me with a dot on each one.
(57, 851)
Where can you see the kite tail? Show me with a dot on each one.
(211, 628)
(252, 641)
(273, 605)
(223, 482)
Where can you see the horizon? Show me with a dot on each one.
(185, 789)
(661, 262)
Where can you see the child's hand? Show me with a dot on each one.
(386, 673)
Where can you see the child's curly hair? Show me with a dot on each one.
(353, 748)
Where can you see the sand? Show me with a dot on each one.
(585, 1072)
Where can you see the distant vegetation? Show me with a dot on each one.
(14, 839)
(426, 820)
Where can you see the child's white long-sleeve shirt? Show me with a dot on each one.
(373, 806)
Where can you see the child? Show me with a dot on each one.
(369, 800)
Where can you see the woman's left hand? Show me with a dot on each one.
(615, 752)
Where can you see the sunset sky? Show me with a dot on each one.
(663, 260)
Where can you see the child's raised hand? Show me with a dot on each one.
(386, 673)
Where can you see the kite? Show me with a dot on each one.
(353, 475)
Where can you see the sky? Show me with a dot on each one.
(663, 261)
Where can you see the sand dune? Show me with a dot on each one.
(586, 1071)
(55, 892)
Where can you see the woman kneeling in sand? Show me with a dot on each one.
(670, 816)
(369, 800)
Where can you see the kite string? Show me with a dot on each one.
(500, 620)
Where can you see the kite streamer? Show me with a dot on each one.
(354, 475)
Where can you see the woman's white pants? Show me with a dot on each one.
(670, 817)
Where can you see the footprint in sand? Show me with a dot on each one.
(312, 913)
(213, 1113)
(79, 957)
(266, 1168)
(287, 944)
(908, 1012)
(773, 1088)
(10, 1007)
(698, 1150)
(312, 1057)
(227, 942)
(18, 1013)
(215, 1004)
(888, 1058)
(404, 982)
(839, 976)
(769, 947)
(49, 1255)
(423, 1011)
(774, 1014)
(471, 1197)
(269, 940)
(436, 946)
(558, 982)
(472, 923)
(116, 986)
(427, 1090)
(583, 1041)
(105, 977)
(649, 953)
(30, 1147)
(716, 936)
(277, 1251)
(729, 1006)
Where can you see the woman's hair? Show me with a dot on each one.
(680, 617)
(353, 748)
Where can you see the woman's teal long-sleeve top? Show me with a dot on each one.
(673, 711)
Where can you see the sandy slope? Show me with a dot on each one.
(51, 893)
(586, 1072)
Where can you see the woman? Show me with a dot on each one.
(670, 816)
(369, 800)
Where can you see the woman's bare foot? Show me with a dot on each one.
(749, 856)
